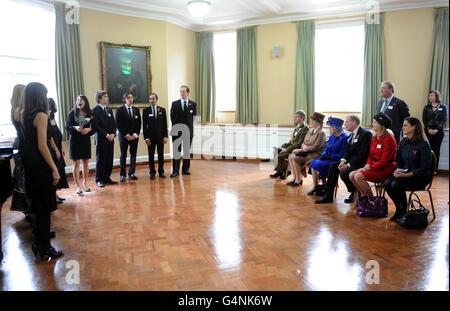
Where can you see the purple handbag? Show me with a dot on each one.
(372, 207)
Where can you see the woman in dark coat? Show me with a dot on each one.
(80, 125)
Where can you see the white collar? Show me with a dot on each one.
(131, 106)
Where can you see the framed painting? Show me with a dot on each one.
(126, 68)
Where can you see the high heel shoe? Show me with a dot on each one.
(79, 192)
(50, 252)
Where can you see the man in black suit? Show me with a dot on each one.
(182, 112)
(394, 107)
(128, 120)
(355, 157)
(104, 139)
(154, 120)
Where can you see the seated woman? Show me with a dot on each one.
(313, 145)
(414, 169)
(335, 150)
(381, 161)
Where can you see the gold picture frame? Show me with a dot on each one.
(126, 68)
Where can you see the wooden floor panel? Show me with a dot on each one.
(228, 226)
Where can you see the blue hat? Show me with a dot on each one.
(335, 122)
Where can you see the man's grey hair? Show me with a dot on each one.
(301, 113)
(389, 84)
(355, 118)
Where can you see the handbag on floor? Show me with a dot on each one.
(416, 217)
(371, 206)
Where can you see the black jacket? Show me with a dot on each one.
(177, 115)
(415, 158)
(125, 123)
(357, 153)
(104, 124)
(397, 110)
(154, 129)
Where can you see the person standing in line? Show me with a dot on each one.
(182, 112)
(104, 139)
(154, 126)
(128, 121)
(81, 126)
(41, 173)
(434, 119)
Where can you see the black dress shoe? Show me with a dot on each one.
(152, 176)
(283, 176)
(275, 175)
(133, 177)
(122, 178)
(312, 191)
(324, 199)
(111, 182)
(174, 174)
(349, 199)
(161, 175)
(186, 173)
(100, 184)
(61, 199)
(52, 234)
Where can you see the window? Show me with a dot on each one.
(339, 66)
(27, 52)
(225, 70)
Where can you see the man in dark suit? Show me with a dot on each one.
(182, 112)
(104, 139)
(355, 157)
(128, 120)
(394, 107)
(154, 120)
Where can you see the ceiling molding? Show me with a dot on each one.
(251, 13)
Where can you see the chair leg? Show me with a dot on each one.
(432, 205)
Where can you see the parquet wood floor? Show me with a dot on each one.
(228, 226)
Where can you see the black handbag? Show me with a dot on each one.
(416, 217)
(301, 154)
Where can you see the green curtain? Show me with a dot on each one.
(205, 77)
(373, 68)
(69, 71)
(304, 68)
(246, 77)
(439, 60)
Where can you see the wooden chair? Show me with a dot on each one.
(427, 188)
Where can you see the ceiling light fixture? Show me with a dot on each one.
(199, 8)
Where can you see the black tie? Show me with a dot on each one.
(350, 139)
(129, 112)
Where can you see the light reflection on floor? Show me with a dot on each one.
(329, 267)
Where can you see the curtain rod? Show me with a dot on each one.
(329, 18)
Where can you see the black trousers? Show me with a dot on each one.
(186, 162)
(41, 228)
(124, 143)
(435, 143)
(104, 161)
(333, 176)
(151, 157)
(397, 187)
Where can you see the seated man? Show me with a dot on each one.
(296, 142)
(354, 158)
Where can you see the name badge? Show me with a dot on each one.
(109, 115)
(390, 107)
(356, 140)
(135, 117)
(192, 111)
(87, 119)
(378, 146)
(159, 112)
(151, 115)
(440, 109)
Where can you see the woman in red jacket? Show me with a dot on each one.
(381, 161)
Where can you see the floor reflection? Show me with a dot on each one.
(227, 241)
(438, 274)
(17, 269)
(329, 267)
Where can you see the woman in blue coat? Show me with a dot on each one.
(335, 150)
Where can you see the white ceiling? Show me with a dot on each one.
(237, 13)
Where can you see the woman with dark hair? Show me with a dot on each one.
(57, 148)
(434, 119)
(80, 125)
(381, 161)
(414, 169)
(20, 202)
(41, 173)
